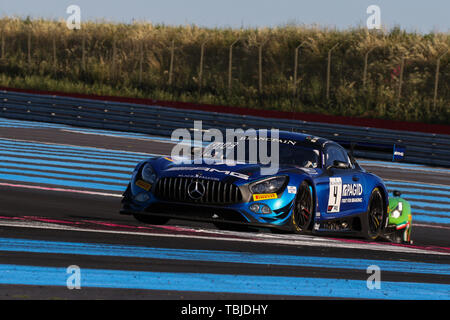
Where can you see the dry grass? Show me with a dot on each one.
(134, 60)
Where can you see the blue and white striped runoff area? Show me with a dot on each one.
(104, 170)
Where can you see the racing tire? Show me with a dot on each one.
(375, 217)
(302, 213)
(150, 219)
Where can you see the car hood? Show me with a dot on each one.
(228, 172)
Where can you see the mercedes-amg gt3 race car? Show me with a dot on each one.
(317, 188)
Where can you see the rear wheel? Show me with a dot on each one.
(303, 209)
(150, 219)
(375, 215)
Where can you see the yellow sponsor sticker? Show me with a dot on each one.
(144, 185)
(266, 196)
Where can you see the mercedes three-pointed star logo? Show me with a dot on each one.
(196, 190)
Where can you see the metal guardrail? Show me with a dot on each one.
(431, 149)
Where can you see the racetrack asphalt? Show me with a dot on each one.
(47, 225)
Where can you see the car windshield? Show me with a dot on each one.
(298, 155)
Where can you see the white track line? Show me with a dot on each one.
(329, 243)
(106, 134)
(78, 146)
(60, 189)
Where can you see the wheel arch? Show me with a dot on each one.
(385, 196)
(312, 185)
(376, 183)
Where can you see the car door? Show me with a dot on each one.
(342, 186)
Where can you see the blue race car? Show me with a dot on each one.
(318, 188)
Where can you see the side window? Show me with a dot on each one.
(336, 153)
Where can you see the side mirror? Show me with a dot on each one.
(397, 193)
(338, 165)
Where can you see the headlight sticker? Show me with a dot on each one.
(266, 196)
(144, 185)
(292, 189)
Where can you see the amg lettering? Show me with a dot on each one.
(227, 172)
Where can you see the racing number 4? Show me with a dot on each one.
(334, 198)
(335, 193)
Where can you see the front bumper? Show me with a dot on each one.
(237, 212)
(211, 214)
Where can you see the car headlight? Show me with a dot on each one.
(148, 173)
(272, 185)
(397, 211)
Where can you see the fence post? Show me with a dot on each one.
(329, 70)
(3, 44)
(172, 50)
(29, 48)
(141, 60)
(83, 53)
(113, 71)
(230, 64)
(400, 82)
(260, 85)
(54, 53)
(296, 66)
(366, 58)
(436, 81)
(200, 72)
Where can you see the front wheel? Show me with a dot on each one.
(375, 215)
(302, 214)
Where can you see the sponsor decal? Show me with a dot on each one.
(351, 200)
(266, 196)
(399, 153)
(292, 189)
(268, 139)
(212, 170)
(199, 175)
(143, 184)
(168, 159)
(352, 190)
(334, 198)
